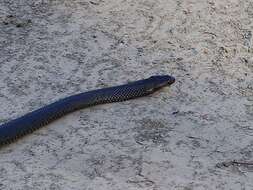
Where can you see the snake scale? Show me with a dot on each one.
(26, 124)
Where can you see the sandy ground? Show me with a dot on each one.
(178, 138)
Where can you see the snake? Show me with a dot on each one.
(26, 124)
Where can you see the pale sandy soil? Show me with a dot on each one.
(174, 139)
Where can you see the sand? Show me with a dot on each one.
(182, 137)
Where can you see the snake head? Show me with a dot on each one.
(160, 81)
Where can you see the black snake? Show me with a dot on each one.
(16, 128)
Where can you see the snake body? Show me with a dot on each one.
(19, 127)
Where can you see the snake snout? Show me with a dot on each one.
(172, 80)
